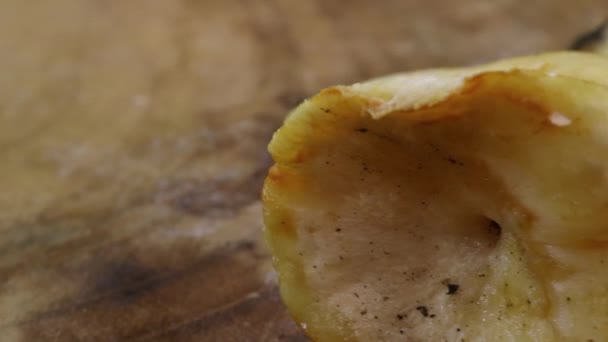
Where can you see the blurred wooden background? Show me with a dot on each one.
(133, 135)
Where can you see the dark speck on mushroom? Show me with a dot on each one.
(455, 162)
(452, 289)
(423, 310)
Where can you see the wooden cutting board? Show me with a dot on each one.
(133, 135)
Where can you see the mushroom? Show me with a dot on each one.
(462, 204)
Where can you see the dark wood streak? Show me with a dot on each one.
(112, 274)
(127, 291)
(587, 40)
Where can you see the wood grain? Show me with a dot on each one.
(133, 135)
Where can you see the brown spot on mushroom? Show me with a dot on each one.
(275, 175)
(301, 156)
(424, 311)
(452, 289)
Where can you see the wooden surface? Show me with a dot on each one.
(132, 145)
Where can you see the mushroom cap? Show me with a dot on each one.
(447, 204)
